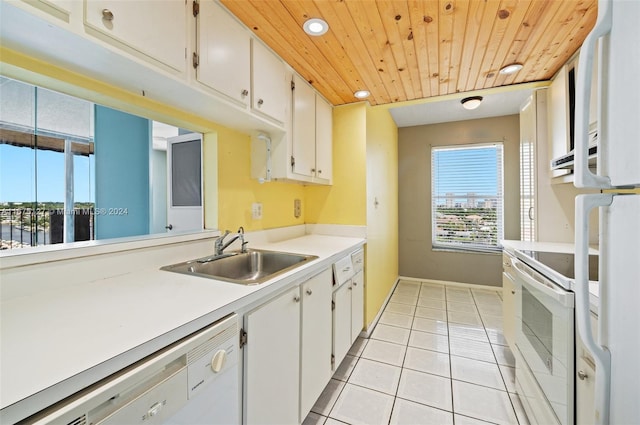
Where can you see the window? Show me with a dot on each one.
(466, 197)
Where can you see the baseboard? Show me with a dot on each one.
(366, 333)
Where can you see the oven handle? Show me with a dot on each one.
(563, 297)
(602, 356)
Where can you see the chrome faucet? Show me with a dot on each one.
(221, 245)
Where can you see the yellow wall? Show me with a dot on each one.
(237, 191)
(345, 201)
(382, 209)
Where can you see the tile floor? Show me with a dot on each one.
(437, 356)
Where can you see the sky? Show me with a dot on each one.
(458, 171)
(18, 178)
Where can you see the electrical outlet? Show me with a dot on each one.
(256, 210)
(297, 208)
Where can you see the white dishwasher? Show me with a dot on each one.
(193, 381)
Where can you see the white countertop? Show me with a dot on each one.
(594, 289)
(63, 340)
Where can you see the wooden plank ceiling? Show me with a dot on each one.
(403, 50)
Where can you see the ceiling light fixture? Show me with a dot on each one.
(471, 102)
(511, 68)
(361, 94)
(315, 26)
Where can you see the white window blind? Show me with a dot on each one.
(467, 197)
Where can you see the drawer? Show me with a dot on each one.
(342, 270)
(357, 258)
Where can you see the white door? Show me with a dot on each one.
(357, 305)
(341, 322)
(224, 46)
(272, 361)
(184, 185)
(316, 339)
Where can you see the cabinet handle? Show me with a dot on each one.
(350, 288)
(313, 170)
(309, 292)
(355, 283)
(319, 171)
(296, 298)
(244, 93)
(582, 375)
(513, 292)
(260, 102)
(107, 15)
(506, 264)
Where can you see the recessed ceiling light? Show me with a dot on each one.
(511, 68)
(361, 94)
(315, 26)
(471, 102)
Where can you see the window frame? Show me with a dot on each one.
(440, 245)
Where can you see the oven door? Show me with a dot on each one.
(545, 343)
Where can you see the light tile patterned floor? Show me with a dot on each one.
(437, 356)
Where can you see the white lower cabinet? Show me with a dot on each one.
(348, 300)
(508, 304)
(316, 368)
(288, 353)
(272, 361)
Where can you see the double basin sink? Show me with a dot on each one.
(252, 267)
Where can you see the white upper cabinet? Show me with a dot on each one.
(270, 83)
(304, 128)
(156, 31)
(324, 139)
(61, 9)
(224, 52)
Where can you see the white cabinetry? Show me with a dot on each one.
(533, 156)
(311, 139)
(288, 353)
(61, 9)
(155, 31)
(316, 339)
(272, 361)
(348, 299)
(270, 83)
(224, 52)
(508, 302)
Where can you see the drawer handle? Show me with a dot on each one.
(346, 269)
(107, 15)
(582, 375)
(506, 264)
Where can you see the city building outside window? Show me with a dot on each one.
(467, 197)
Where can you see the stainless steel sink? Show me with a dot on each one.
(249, 268)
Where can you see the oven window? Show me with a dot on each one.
(537, 326)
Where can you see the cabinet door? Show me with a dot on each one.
(324, 139)
(270, 85)
(357, 305)
(559, 117)
(157, 31)
(224, 47)
(509, 309)
(527, 170)
(316, 339)
(341, 322)
(304, 128)
(61, 9)
(272, 356)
